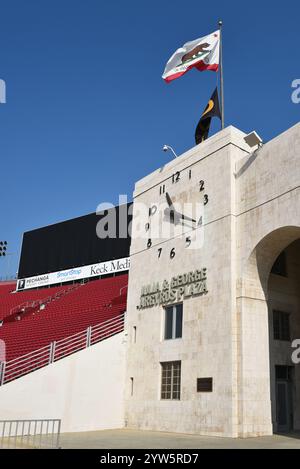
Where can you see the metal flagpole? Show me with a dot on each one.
(221, 75)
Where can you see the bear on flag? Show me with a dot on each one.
(202, 53)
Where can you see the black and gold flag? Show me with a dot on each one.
(212, 110)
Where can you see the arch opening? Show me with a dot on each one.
(284, 327)
(270, 303)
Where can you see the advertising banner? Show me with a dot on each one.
(77, 273)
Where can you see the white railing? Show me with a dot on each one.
(42, 434)
(44, 356)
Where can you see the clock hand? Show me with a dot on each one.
(185, 217)
(169, 200)
(171, 210)
(174, 215)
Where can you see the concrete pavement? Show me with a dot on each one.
(136, 439)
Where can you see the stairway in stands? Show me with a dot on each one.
(25, 310)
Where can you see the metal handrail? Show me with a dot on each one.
(34, 352)
(112, 327)
(70, 337)
(42, 433)
(75, 340)
(43, 301)
(57, 350)
(104, 325)
(21, 366)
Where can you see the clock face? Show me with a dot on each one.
(177, 213)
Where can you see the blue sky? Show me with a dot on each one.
(87, 111)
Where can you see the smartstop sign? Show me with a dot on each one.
(177, 289)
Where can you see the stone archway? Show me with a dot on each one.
(284, 327)
(253, 342)
(257, 271)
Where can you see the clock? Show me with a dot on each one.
(178, 213)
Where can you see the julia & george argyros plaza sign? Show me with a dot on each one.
(180, 287)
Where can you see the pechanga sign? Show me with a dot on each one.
(179, 288)
(94, 270)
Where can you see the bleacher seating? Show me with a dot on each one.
(87, 305)
(7, 287)
(9, 299)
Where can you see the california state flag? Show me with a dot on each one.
(202, 53)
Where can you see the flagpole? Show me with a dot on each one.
(221, 75)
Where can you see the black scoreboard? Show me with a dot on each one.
(75, 243)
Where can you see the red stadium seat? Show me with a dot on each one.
(68, 311)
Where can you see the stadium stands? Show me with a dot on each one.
(9, 299)
(7, 287)
(65, 311)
